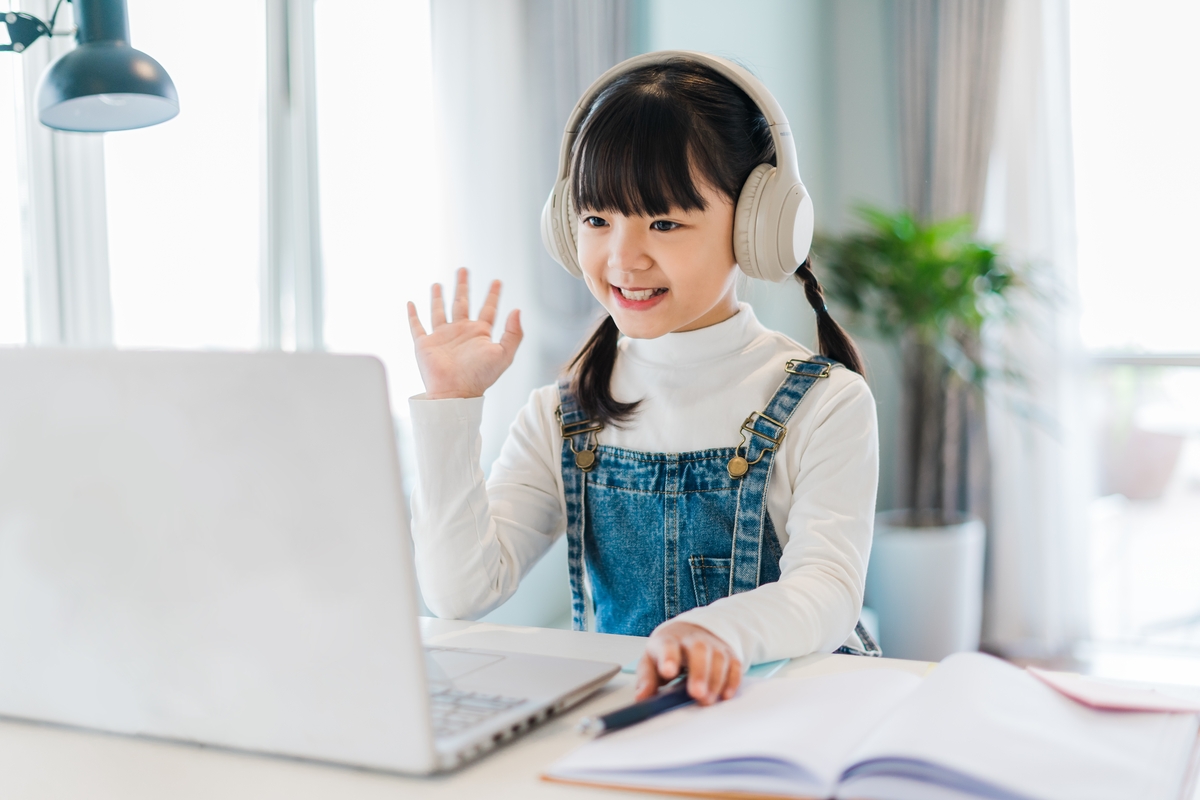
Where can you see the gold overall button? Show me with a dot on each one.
(584, 459)
(738, 467)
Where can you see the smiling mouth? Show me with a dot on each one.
(640, 294)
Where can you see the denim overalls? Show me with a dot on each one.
(662, 533)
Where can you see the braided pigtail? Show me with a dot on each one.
(592, 380)
(832, 339)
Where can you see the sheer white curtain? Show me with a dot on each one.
(12, 283)
(949, 53)
(1036, 596)
(948, 57)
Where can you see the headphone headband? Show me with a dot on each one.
(777, 122)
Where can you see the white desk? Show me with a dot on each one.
(38, 761)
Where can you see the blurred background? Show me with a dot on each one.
(332, 159)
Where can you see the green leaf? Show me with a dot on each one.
(932, 280)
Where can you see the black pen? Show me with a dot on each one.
(671, 697)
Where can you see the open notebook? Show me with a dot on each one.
(975, 728)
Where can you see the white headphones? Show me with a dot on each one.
(773, 221)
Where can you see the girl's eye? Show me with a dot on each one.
(663, 225)
(595, 222)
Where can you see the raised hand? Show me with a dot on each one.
(458, 358)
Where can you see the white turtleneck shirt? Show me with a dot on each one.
(476, 539)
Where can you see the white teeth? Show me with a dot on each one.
(644, 294)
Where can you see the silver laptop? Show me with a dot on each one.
(214, 548)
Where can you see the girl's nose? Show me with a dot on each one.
(627, 250)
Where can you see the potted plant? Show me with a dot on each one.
(929, 287)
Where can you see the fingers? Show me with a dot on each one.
(437, 307)
(512, 334)
(487, 314)
(414, 322)
(713, 671)
(669, 657)
(461, 309)
(710, 669)
(647, 677)
(699, 666)
(734, 680)
(718, 674)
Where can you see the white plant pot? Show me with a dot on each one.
(926, 586)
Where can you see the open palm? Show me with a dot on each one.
(457, 358)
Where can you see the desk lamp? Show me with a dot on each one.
(103, 84)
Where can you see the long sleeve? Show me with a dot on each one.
(476, 540)
(817, 600)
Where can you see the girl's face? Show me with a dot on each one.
(657, 275)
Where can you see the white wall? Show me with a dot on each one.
(487, 198)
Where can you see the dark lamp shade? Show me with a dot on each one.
(105, 86)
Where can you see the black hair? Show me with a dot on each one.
(646, 139)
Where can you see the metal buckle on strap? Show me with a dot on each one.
(738, 465)
(791, 367)
(748, 427)
(570, 429)
(585, 459)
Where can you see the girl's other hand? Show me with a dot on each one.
(714, 672)
(458, 358)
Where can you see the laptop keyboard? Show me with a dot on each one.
(454, 710)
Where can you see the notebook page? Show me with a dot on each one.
(990, 722)
(808, 724)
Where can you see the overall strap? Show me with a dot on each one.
(762, 433)
(578, 456)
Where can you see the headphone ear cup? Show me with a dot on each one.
(745, 221)
(559, 229)
(572, 228)
(773, 225)
(795, 233)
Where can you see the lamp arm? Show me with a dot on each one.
(25, 29)
(54, 16)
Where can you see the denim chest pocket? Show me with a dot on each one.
(710, 578)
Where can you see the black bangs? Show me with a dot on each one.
(632, 158)
(652, 135)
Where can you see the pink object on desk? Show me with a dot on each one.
(1100, 694)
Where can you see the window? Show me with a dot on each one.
(12, 284)
(1145, 528)
(185, 198)
(378, 201)
(1136, 119)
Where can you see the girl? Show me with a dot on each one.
(727, 539)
